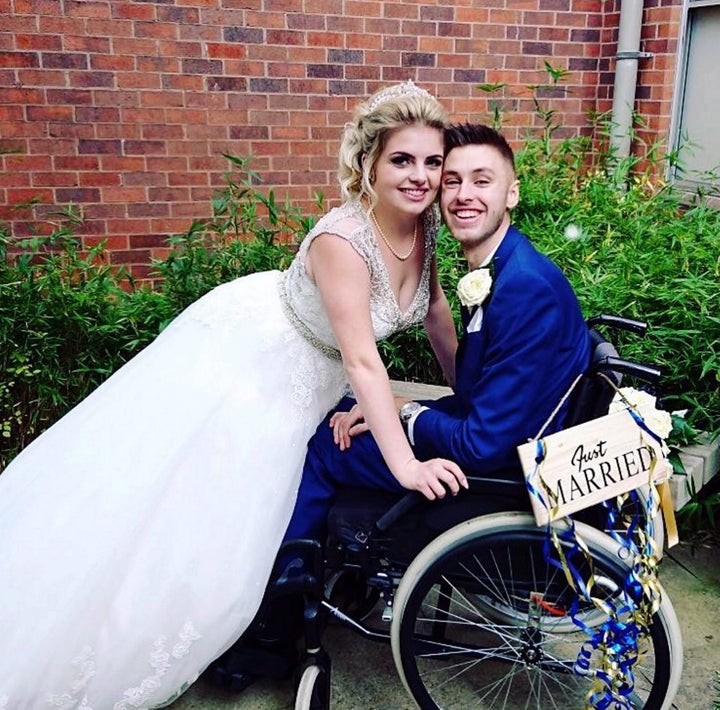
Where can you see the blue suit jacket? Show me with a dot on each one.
(510, 376)
(513, 372)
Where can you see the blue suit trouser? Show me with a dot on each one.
(327, 468)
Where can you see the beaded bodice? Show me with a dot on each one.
(351, 222)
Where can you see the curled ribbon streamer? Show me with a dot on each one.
(535, 483)
(621, 639)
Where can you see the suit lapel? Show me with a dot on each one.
(472, 345)
(510, 241)
(506, 248)
(465, 316)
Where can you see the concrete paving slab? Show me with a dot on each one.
(364, 676)
(691, 578)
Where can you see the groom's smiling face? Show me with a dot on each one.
(478, 189)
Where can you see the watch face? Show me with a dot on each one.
(408, 409)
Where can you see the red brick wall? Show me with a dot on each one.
(656, 78)
(123, 107)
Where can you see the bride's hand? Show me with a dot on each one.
(433, 478)
(345, 425)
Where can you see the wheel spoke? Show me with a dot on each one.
(485, 625)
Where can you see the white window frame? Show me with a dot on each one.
(678, 103)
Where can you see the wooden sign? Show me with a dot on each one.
(589, 463)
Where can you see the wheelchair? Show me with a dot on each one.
(479, 610)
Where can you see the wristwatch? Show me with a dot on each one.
(408, 410)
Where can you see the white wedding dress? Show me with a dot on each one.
(137, 534)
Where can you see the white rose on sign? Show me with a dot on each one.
(473, 288)
(658, 420)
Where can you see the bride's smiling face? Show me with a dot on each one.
(407, 172)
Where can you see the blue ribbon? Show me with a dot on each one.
(539, 458)
(617, 640)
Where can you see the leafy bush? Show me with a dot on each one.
(68, 319)
(637, 252)
(66, 323)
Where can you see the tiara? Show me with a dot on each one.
(407, 88)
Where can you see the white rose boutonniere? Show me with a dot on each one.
(473, 288)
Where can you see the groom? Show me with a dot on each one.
(524, 343)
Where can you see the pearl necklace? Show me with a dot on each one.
(401, 257)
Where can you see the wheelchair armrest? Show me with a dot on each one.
(404, 505)
(647, 373)
(413, 499)
(493, 483)
(619, 323)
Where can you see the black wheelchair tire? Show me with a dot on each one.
(449, 561)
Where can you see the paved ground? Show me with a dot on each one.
(364, 676)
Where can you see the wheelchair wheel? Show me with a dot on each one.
(313, 693)
(482, 621)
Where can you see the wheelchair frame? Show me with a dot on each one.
(480, 617)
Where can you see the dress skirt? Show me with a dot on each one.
(138, 533)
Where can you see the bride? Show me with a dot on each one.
(137, 534)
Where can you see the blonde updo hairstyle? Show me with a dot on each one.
(374, 120)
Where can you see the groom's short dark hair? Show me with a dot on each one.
(458, 135)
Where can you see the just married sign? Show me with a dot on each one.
(589, 463)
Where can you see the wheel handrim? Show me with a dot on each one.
(517, 657)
